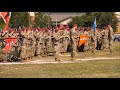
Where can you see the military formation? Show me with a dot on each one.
(43, 42)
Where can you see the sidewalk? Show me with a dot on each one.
(53, 61)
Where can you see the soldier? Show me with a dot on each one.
(61, 31)
(73, 37)
(66, 38)
(1, 48)
(56, 36)
(110, 38)
(33, 44)
(40, 43)
(104, 37)
(49, 43)
(91, 40)
(23, 47)
(99, 39)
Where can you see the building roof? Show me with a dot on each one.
(59, 16)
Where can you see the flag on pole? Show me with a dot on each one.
(6, 17)
(94, 25)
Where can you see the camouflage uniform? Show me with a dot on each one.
(2, 45)
(33, 45)
(110, 38)
(61, 42)
(73, 36)
(91, 40)
(23, 47)
(104, 38)
(99, 39)
(56, 36)
(49, 42)
(67, 39)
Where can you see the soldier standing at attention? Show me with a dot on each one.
(67, 37)
(104, 38)
(56, 37)
(91, 40)
(99, 39)
(110, 38)
(73, 36)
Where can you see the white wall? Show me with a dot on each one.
(66, 21)
(32, 14)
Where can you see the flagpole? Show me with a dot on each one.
(94, 28)
(95, 33)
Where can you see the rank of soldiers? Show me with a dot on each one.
(54, 41)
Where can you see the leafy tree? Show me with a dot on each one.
(42, 20)
(2, 23)
(19, 19)
(102, 18)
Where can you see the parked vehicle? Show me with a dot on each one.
(116, 37)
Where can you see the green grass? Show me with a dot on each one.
(89, 69)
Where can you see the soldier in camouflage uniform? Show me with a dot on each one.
(23, 47)
(56, 36)
(39, 43)
(36, 34)
(104, 38)
(110, 38)
(61, 43)
(49, 41)
(73, 37)
(99, 39)
(91, 40)
(33, 44)
(13, 52)
(67, 38)
(2, 46)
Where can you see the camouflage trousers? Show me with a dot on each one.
(57, 52)
(66, 45)
(104, 44)
(2, 55)
(110, 45)
(74, 50)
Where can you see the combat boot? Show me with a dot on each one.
(111, 51)
(56, 59)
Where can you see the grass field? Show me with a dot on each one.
(88, 69)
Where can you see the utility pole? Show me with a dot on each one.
(48, 20)
(29, 19)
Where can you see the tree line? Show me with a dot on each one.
(41, 20)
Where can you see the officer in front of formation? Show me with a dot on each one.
(73, 41)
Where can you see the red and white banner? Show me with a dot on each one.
(9, 43)
(6, 17)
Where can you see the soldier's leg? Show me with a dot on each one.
(93, 48)
(110, 46)
(56, 53)
(73, 52)
(104, 44)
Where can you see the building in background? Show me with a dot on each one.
(62, 17)
(58, 17)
